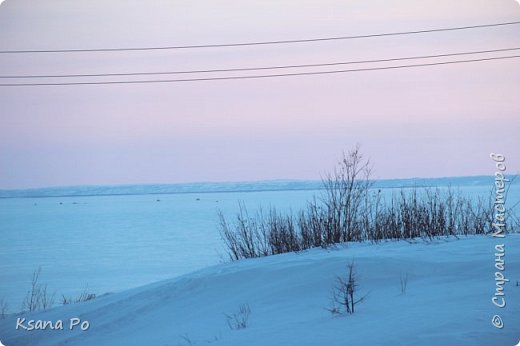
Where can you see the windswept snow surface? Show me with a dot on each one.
(447, 301)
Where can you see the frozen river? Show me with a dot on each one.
(115, 242)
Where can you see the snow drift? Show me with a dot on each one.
(447, 301)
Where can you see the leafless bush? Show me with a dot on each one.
(186, 338)
(239, 320)
(83, 297)
(283, 236)
(247, 237)
(343, 299)
(345, 191)
(3, 309)
(37, 297)
(403, 280)
(350, 209)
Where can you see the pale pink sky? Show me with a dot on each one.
(427, 122)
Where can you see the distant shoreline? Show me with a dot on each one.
(230, 187)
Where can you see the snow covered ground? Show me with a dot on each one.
(447, 301)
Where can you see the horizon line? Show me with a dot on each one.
(47, 191)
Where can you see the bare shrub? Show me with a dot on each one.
(247, 237)
(343, 298)
(83, 297)
(3, 309)
(186, 338)
(239, 320)
(403, 280)
(345, 190)
(351, 209)
(37, 297)
(283, 236)
(46, 300)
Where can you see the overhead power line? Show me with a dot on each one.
(263, 67)
(262, 76)
(240, 44)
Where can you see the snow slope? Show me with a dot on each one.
(447, 301)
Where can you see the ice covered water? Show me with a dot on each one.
(112, 243)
